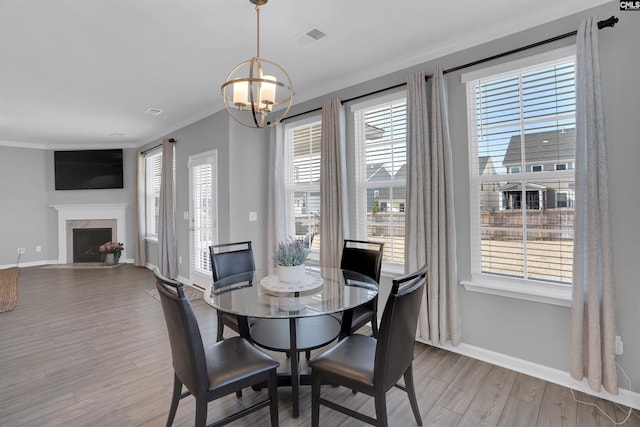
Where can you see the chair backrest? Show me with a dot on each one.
(394, 350)
(187, 350)
(231, 258)
(364, 257)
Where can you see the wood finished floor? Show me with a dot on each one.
(89, 348)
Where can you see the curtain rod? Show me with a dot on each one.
(156, 146)
(611, 22)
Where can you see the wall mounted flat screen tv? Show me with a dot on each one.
(88, 169)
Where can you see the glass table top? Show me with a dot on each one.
(258, 294)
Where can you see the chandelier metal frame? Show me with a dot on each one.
(250, 100)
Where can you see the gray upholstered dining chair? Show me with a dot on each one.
(372, 366)
(364, 257)
(216, 371)
(228, 259)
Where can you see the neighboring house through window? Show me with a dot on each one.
(380, 165)
(522, 125)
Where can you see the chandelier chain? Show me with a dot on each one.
(258, 31)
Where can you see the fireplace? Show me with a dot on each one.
(83, 217)
(87, 242)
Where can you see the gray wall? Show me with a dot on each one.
(242, 186)
(534, 331)
(27, 190)
(23, 205)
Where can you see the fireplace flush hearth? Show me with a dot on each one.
(70, 217)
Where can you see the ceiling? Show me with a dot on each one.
(80, 74)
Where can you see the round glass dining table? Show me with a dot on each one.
(303, 309)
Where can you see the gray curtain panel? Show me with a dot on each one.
(277, 199)
(333, 203)
(593, 320)
(139, 225)
(430, 222)
(167, 246)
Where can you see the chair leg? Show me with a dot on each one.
(201, 412)
(374, 325)
(411, 392)
(315, 399)
(381, 410)
(220, 335)
(307, 354)
(175, 399)
(273, 397)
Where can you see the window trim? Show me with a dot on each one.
(523, 289)
(388, 267)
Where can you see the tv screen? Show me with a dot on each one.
(88, 169)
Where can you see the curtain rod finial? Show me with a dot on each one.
(608, 22)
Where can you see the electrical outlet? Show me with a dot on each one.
(38, 248)
(619, 346)
(20, 251)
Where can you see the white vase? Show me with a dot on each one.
(293, 274)
(111, 259)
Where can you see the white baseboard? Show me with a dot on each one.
(31, 263)
(556, 376)
(50, 262)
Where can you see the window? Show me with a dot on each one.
(381, 158)
(522, 119)
(153, 172)
(302, 180)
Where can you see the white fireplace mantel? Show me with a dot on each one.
(88, 212)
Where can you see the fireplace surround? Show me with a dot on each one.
(88, 216)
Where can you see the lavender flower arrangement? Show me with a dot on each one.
(290, 252)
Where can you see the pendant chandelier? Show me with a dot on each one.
(257, 93)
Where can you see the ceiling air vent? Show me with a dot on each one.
(310, 37)
(153, 111)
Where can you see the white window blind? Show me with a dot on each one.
(302, 181)
(153, 172)
(521, 125)
(203, 210)
(381, 159)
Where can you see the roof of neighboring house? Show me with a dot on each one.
(377, 172)
(483, 163)
(542, 147)
(517, 186)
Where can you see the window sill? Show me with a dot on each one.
(151, 239)
(520, 289)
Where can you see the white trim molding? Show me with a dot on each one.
(552, 375)
(88, 212)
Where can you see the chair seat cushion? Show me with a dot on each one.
(351, 358)
(233, 359)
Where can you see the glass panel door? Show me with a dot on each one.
(202, 215)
